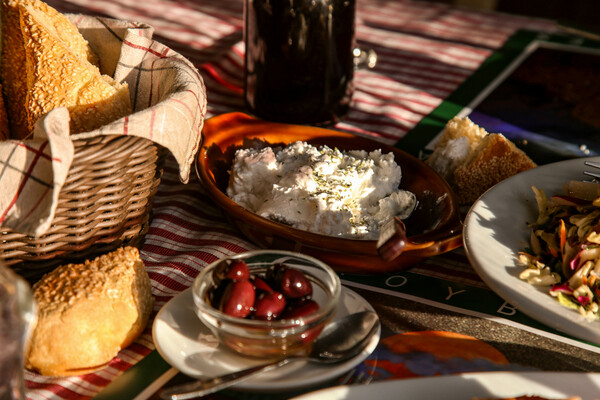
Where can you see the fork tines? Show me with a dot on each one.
(595, 175)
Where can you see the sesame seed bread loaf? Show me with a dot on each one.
(13, 59)
(472, 160)
(88, 312)
(56, 77)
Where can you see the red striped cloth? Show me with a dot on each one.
(425, 51)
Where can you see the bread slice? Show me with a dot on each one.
(493, 160)
(461, 127)
(88, 312)
(12, 61)
(458, 139)
(473, 160)
(57, 77)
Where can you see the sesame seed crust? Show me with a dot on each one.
(13, 60)
(88, 312)
(495, 159)
(57, 77)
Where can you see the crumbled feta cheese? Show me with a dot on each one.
(319, 189)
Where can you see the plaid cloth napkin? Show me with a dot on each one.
(168, 98)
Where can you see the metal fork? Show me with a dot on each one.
(595, 175)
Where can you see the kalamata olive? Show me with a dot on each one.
(294, 284)
(261, 285)
(310, 335)
(220, 273)
(269, 306)
(273, 273)
(300, 308)
(238, 299)
(280, 291)
(215, 295)
(238, 270)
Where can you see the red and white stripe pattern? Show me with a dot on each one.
(425, 51)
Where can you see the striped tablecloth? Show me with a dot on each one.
(425, 51)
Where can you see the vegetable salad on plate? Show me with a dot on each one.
(564, 247)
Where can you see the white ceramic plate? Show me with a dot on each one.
(496, 230)
(188, 345)
(466, 386)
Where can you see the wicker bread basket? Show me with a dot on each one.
(105, 203)
(115, 171)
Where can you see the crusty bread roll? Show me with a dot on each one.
(88, 312)
(13, 59)
(58, 77)
(495, 159)
(472, 160)
(461, 127)
(457, 142)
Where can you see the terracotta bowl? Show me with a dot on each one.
(433, 228)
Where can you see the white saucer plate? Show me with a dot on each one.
(189, 346)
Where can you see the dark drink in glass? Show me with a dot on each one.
(299, 62)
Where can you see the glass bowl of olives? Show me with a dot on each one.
(266, 303)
